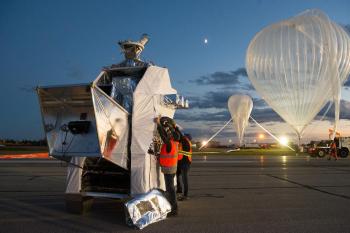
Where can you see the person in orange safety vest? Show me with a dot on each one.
(168, 157)
(333, 150)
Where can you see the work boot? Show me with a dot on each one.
(173, 213)
(183, 198)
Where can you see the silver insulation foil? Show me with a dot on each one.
(146, 209)
(122, 91)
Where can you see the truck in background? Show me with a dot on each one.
(343, 147)
(321, 148)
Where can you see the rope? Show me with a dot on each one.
(215, 134)
(277, 139)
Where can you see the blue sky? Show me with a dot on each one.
(61, 42)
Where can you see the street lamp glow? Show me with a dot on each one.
(284, 141)
(261, 136)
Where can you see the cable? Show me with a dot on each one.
(215, 134)
(269, 132)
(254, 122)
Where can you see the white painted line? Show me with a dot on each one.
(225, 161)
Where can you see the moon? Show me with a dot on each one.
(205, 41)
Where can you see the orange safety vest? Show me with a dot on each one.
(168, 160)
(185, 153)
(333, 147)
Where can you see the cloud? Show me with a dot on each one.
(203, 116)
(262, 115)
(329, 115)
(347, 83)
(243, 85)
(259, 103)
(218, 99)
(222, 78)
(199, 133)
(347, 28)
(211, 99)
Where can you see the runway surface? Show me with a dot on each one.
(227, 194)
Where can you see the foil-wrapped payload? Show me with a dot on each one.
(146, 209)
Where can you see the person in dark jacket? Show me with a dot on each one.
(183, 166)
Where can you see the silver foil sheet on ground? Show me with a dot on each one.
(147, 208)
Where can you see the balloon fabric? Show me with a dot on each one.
(240, 107)
(298, 65)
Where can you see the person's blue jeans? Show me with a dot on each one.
(182, 171)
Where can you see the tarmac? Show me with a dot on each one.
(227, 194)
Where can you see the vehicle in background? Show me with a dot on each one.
(319, 148)
(251, 146)
(343, 147)
(308, 148)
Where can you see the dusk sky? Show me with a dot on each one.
(66, 42)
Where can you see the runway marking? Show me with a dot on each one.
(309, 187)
(224, 161)
(269, 187)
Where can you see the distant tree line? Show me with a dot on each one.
(211, 144)
(24, 142)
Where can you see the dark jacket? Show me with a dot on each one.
(185, 147)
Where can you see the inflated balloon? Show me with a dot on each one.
(298, 65)
(240, 107)
(343, 63)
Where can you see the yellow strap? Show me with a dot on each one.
(186, 153)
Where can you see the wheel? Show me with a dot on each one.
(312, 154)
(78, 204)
(321, 153)
(344, 152)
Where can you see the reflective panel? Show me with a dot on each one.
(69, 120)
(113, 128)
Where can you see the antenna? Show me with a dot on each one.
(133, 49)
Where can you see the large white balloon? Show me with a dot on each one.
(240, 107)
(298, 65)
